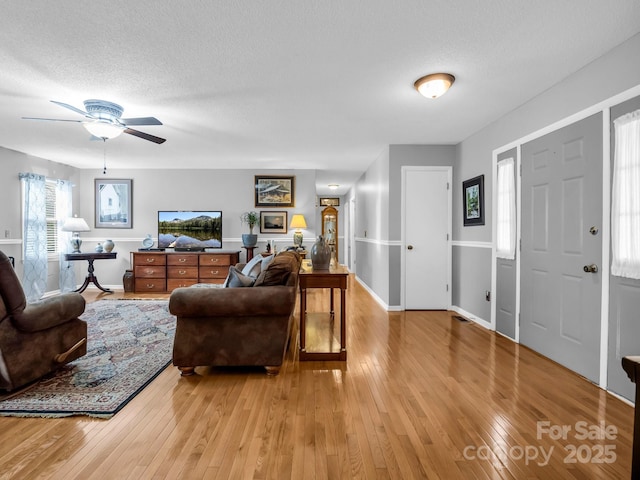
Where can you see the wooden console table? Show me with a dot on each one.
(335, 277)
(631, 365)
(90, 257)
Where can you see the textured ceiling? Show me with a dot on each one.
(280, 84)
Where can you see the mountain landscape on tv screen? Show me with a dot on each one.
(189, 231)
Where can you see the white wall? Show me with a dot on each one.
(11, 164)
(231, 191)
(228, 190)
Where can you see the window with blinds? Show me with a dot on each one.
(52, 222)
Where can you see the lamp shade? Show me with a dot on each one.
(434, 85)
(102, 129)
(75, 224)
(298, 221)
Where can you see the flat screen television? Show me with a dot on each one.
(189, 229)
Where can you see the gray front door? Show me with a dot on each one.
(561, 235)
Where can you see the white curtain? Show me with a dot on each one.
(506, 210)
(64, 210)
(34, 236)
(625, 197)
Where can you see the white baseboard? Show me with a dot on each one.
(381, 302)
(472, 317)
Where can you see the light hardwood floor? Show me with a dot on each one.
(422, 395)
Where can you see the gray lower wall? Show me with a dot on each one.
(471, 279)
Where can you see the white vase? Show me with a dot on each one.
(108, 245)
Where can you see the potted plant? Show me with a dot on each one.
(250, 218)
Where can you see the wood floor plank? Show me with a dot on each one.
(422, 395)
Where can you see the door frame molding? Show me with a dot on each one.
(601, 107)
(403, 271)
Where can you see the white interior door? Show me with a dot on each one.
(426, 226)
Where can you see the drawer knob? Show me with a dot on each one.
(182, 272)
(214, 272)
(182, 260)
(150, 285)
(151, 260)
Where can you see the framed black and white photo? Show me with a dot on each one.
(113, 199)
(473, 201)
(273, 222)
(274, 191)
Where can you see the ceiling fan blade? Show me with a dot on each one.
(71, 107)
(51, 119)
(141, 121)
(146, 136)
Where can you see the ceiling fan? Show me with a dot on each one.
(104, 122)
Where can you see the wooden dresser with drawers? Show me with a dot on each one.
(165, 271)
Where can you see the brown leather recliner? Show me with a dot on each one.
(36, 339)
(237, 326)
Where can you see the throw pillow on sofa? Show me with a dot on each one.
(253, 267)
(278, 270)
(256, 266)
(238, 279)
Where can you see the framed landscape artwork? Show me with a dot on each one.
(113, 198)
(274, 191)
(273, 222)
(473, 201)
(329, 201)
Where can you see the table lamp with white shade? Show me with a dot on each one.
(75, 225)
(298, 222)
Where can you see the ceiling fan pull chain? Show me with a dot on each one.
(104, 158)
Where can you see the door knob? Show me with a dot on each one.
(593, 268)
(409, 247)
(593, 230)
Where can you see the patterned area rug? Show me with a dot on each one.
(129, 344)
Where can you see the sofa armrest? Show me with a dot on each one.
(50, 312)
(240, 301)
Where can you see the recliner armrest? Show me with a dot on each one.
(49, 312)
(240, 301)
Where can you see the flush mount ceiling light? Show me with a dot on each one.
(434, 85)
(333, 186)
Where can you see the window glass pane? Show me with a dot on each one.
(506, 210)
(625, 197)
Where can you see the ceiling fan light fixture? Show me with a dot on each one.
(103, 129)
(434, 85)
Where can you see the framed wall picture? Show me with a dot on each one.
(274, 191)
(273, 222)
(473, 201)
(113, 199)
(329, 201)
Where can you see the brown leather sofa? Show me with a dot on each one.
(37, 338)
(237, 326)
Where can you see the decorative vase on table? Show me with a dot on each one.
(108, 245)
(99, 248)
(320, 254)
(249, 239)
